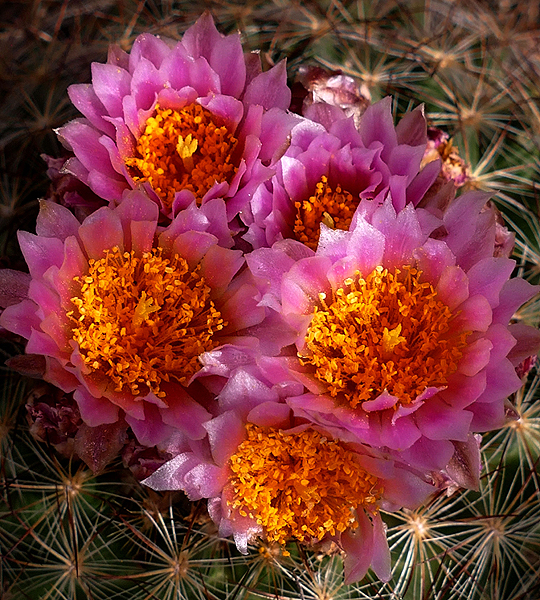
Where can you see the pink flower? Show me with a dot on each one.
(195, 118)
(331, 167)
(121, 309)
(266, 475)
(398, 329)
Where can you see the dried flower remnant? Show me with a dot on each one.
(440, 147)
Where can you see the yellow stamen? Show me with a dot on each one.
(391, 339)
(389, 332)
(183, 149)
(333, 208)
(300, 486)
(143, 320)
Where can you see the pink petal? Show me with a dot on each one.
(358, 545)
(84, 98)
(101, 231)
(488, 276)
(111, 83)
(40, 253)
(151, 430)
(225, 433)
(438, 421)
(304, 282)
(270, 414)
(20, 318)
(270, 88)
(381, 563)
(95, 411)
(453, 287)
(475, 357)
(55, 221)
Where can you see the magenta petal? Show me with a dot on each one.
(475, 357)
(402, 233)
(170, 476)
(95, 411)
(513, 294)
(142, 236)
(85, 100)
(431, 455)
(463, 390)
(397, 436)
(146, 82)
(150, 47)
(219, 266)
(207, 479)
(83, 139)
(101, 231)
(501, 381)
(58, 376)
(383, 401)
(40, 253)
(13, 286)
(184, 413)
(433, 258)
(487, 416)
(412, 128)
(527, 344)
(20, 318)
(475, 314)
(367, 245)
(227, 60)
(381, 563)
(488, 276)
(270, 88)
(453, 287)
(193, 245)
(56, 221)
(111, 83)
(225, 433)
(438, 421)
(270, 414)
(201, 37)
(304, 282)
(150, 430)
(406, 489)
(377, 126)
(422, 182)
(358, 545)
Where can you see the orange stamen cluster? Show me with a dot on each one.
(300, 486)
(333, 208)
(183, 149)
(385, 332)
(143, 320)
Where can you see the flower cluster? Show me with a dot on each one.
(292, 313)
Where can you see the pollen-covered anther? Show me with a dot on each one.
(385, 332)
(301, 486)
(183, 149)
(142, 320)
(334, 208)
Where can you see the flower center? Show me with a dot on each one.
(333, 208)
(183, 149)
(143, 320)
(385, 332)
(300, 486)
